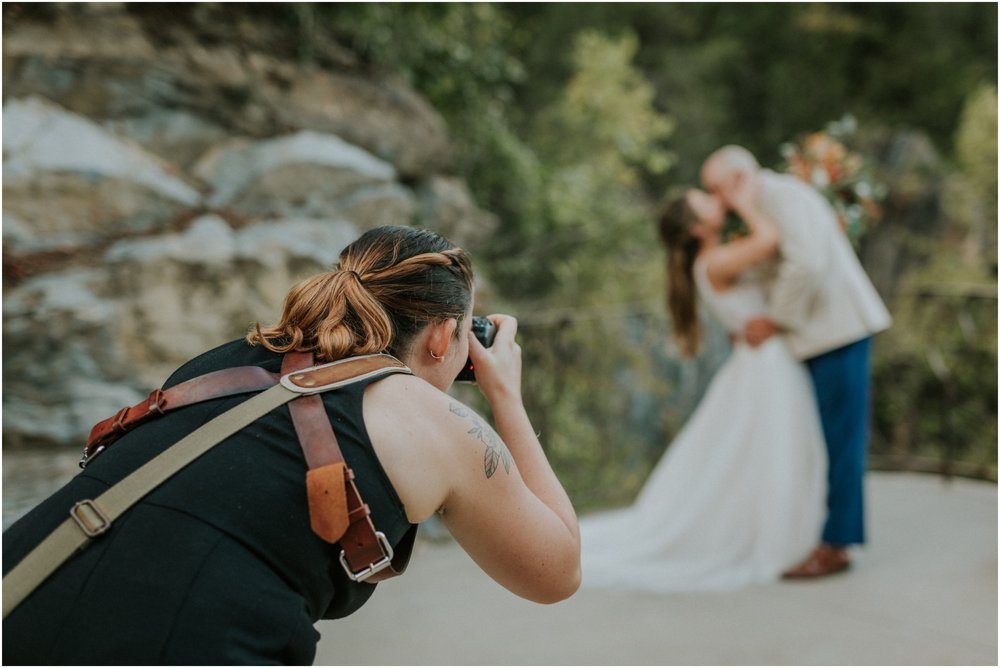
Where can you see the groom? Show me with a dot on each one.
(822, 301)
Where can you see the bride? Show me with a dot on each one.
(738, 497)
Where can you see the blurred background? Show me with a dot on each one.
(170, 170)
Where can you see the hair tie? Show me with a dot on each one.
(353, 273)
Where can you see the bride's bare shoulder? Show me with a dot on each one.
(711, 264)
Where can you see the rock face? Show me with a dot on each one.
(162, 191)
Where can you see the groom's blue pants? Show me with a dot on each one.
(842, 380)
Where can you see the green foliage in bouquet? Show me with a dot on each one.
(845, 177)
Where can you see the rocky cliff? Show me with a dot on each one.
(169, 172)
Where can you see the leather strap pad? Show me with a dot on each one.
(327, 491)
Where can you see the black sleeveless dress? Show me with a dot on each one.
(216, 566)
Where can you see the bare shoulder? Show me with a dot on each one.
(434, 418)
(715, 262)
(404, 407)
(479, 437)
(402, 398)
(428, 442)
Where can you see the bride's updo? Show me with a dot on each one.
(388, 285)
(675, 220)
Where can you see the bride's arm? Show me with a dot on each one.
(729, 261)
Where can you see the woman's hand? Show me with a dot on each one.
(494, 489)
(498, 368)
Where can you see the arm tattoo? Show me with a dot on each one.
(496, 451)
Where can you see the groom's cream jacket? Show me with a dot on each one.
(819, 293)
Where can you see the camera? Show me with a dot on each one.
(484, 330)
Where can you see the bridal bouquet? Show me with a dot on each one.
(844, 176)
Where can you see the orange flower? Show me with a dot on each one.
(824, 161)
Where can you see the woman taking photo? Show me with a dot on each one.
(220, 564)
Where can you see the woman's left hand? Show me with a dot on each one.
(498, 368)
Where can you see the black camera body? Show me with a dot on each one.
(484, 330)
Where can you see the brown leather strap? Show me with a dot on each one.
(295, 360)
(312, 426)
(225, 382)
(364, 549)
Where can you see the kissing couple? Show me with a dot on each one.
(766, 479)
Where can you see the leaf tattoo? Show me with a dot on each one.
(496, 451)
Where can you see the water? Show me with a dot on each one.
(31, 474)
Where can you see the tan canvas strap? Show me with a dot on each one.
(92, 517)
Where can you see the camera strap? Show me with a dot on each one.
(91, 518)
(336, 511)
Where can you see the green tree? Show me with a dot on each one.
(937, 408)
(595, 260)
(562, 118)
(971, 193)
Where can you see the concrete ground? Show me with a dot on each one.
(923, 592)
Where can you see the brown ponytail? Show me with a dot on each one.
(675, 222)
(388, 285)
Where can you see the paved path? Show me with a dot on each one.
(923, 593)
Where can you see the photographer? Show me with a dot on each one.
(221, 565)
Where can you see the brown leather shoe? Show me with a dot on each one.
(824, 560)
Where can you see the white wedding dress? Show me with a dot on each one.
(739, 496)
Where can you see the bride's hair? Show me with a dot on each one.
(675, 220)
(389, 283)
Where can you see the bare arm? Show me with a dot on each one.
(517, 524)
(498, 371)
(496, 492)
(726, 263)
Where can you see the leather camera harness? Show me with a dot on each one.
(336, 511)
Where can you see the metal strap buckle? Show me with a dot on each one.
(87, 456)
(90, 518)
(372, 569)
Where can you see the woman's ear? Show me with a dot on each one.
(441, 336)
